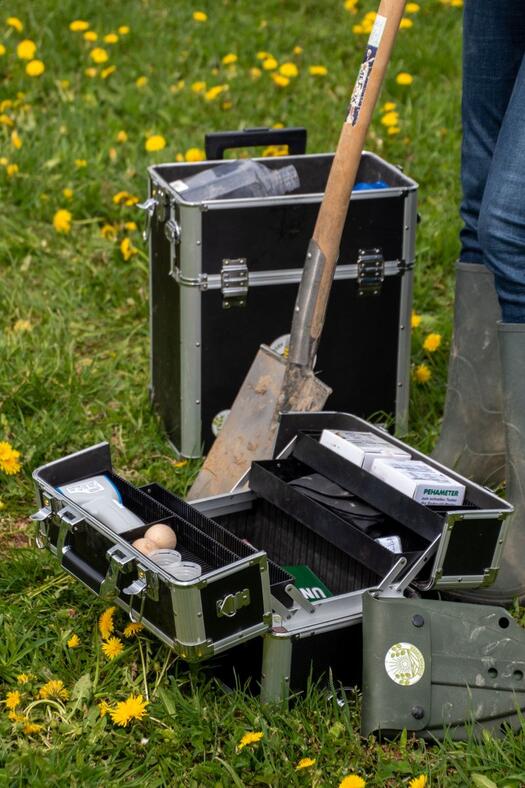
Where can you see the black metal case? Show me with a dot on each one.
(223, 281)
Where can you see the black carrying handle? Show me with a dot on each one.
(82, 570)
(216, 142)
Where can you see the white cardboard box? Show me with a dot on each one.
(419, 481)
(361, 448)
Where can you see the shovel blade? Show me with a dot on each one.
(250, 430)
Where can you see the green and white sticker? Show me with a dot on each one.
(405, 664)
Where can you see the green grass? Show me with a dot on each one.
(80, 374)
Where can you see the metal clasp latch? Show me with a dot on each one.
(172, 231)
(42, 518)
(232, 603)
(234, 282)
(69, 521)
(145, 585)
(370, 271)
(119, 561)
(149, 206)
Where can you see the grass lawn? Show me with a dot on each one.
(74, 357)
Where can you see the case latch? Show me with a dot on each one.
(42, 519)
(234, 282)
(145, 585)
(370, 271)
(69, 521)
(119, 561)
(232, 603)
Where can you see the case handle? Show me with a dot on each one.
(215, 143)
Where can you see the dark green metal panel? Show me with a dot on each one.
(434, 667)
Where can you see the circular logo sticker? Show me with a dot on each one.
(405, 664)
(218, 421)
(281, 344)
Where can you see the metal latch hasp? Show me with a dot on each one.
(370, 271)
(234, 282)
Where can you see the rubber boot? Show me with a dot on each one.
(471, 441)
(510, 582)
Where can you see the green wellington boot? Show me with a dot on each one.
(510, 582)
(472, 440)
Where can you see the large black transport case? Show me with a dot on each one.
(224, 277)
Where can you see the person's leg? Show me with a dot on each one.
(472, 434)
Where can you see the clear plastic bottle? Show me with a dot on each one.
(239, 178)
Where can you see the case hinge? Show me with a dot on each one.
(370, 271)
(234, 282)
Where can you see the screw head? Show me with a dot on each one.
(418, 712)
(418, 620)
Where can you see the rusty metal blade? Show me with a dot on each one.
(249, 431)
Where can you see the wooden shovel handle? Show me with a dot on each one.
(334, 207)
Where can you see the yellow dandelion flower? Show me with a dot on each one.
(255, 73)
(280, 81)
(90, 72)
(134, 708)
(99, 55)
(111, 38)
(229, 59)
(123, 30)
(68, 193)
(16, 140)
(155, 143)
(388, 106)
(405, 23)
(180, 463)
(276, 150)
(412, 8)
(262, 55)
(351, 5)
(35, 68)
(358, 29)
(109, 232)
(305, 763)
(194, 154)
(62, 221)
(80, 163)
(370, 16)
(198, 87)
(352, 781)
(432, 342)
(456, 3)
(11, 169)
(318, 71)
(113, 647)
(127, 250)
(103, 708)
(22, 326)
(106, 72)
(23, 678)
(132, 629)
(32, 727)
(199, 16)
(2, 506)
(15, 717)
(297, 50)
(270, 64)
(105, 621)
(393, 130)
(2, 51)
(90, 35)
(226, 105)
(26, 49)
(390, 119)
(288, 70)
(418, 782)
(215, 91)
(415, 319)
(403, 78)
(121, 136)
(54, 689)
(74, 641)
(9, 462)
(78, 25)
(13, 699)
(422, 373)
(13, 21)
(249, 738)
(141, 82)
(130, 226)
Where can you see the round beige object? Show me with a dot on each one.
(144, 545)
(162, 535)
